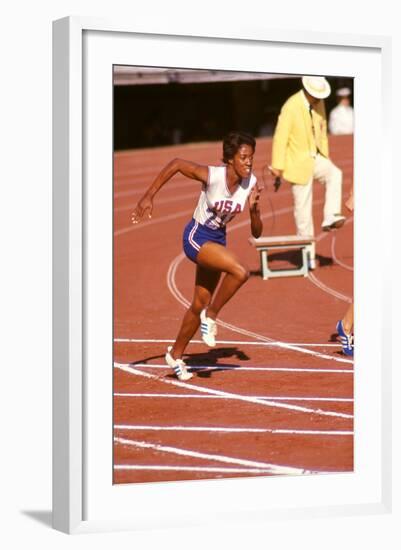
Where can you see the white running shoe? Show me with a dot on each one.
(178, 366)
(208, 329)
(335, 221)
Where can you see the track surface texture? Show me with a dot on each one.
(275, 397)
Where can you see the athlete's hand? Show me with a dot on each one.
(145, 204)
(275, 173)
(254, 197)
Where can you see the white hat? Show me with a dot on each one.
(343, 92)
(316, 86)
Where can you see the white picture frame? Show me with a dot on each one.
(85, 49)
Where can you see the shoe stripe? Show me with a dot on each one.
(348, 346)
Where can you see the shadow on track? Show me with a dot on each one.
(204, 364)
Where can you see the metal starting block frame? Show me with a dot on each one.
(264, 245)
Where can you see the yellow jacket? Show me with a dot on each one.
(294, 143)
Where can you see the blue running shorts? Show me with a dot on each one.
(196, 234)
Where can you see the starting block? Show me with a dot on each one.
(264, 245)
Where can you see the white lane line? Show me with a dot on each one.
(227, 342)
(165, 200)
(228, 395)
(268, 397)
(274, 468)
(171, 283)
(154, 221)
(229, 430)
(137, 191)
(317, 282)
(342, 264)
(194, 368)
(334, 255)
(205, 469)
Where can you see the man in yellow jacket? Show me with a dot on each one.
(300, 154)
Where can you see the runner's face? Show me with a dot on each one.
(242, 161)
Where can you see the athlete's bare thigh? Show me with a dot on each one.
(218, 258)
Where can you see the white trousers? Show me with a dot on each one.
(332, 177)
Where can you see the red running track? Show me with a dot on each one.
(276, 394)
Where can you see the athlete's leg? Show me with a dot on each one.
(345, 331)
(205, 284)
(348, 319)
(216, 257)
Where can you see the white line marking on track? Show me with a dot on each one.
(269, 397)
(227, 342)
(229, 430)
(194, 368)
(165, 200)
(205, 469)
(296, 408)
(317, 282)
(273, 468)
(152, 222)
(333, 252)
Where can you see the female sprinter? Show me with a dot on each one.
(225, 190)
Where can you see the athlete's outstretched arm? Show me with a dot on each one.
(185, 167)
(254, 211)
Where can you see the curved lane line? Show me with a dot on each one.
(317, 282)
(333, 251)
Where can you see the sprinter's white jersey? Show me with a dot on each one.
(216, 205)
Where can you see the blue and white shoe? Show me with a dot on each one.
(178, 366)
(347, 340)
(208, 329)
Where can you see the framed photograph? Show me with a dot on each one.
(156, 417)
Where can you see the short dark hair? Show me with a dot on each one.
(233, 141)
